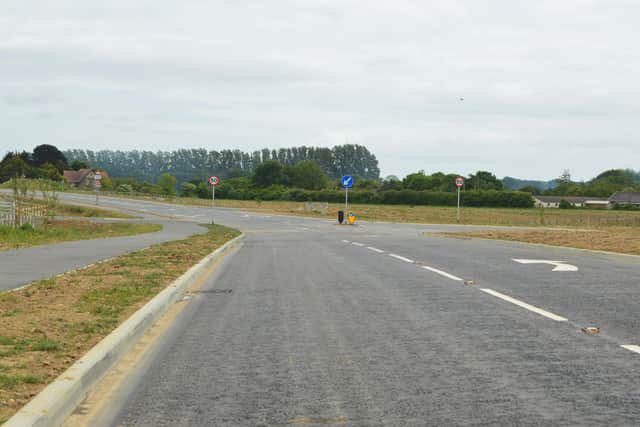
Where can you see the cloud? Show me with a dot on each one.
(550, 81)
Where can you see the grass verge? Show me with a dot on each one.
(625, 240)
(65, 231)
(49, 325)
(88, 212)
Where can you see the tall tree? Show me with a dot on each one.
(12, 166)
(46, 153)
(306, 174)
(268, 173)
(167, 183)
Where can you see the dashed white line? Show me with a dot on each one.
(380, 251)
(346, 241)
(526, 306)
(401, 258)
(442, 273)
(634, 348)
(358, 244)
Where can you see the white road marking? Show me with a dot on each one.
(525, 305)
(346, 241)
(380, 251)
(358, 244)
(559, 265)
(442, 273)
(401, 258)
(634, 348)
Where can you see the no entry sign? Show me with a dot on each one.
(214, 180)
(459, 182)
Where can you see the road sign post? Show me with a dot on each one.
(347, 182)
(96, 185)
(213, 182)
(346, 200)
(459, 184)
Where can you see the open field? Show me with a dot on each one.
(624, 240)
(65, 231)
(49, 325)
(433, 214)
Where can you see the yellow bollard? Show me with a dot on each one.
(352, 218)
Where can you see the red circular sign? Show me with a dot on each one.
(214, 180)
(459, 181)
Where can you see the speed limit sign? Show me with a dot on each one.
(459, 181)
(214, 180)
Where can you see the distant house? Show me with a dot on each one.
(575, 201)
(625, 198)
(596, 203)
(82, 178)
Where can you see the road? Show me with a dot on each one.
(374, 325)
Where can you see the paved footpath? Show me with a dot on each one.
(22, 266)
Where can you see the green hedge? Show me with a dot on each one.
(489, 198)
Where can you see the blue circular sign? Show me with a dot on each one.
(347, 181)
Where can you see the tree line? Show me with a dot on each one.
(44, 162)
(306, 181)
(603, 185)
(190, 164)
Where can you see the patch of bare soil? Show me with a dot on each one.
(624, 240)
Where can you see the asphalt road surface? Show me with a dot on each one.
(374, 325)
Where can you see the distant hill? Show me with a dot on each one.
(515, 183)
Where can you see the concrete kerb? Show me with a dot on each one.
(60, 398)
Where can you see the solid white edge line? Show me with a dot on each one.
(358, 244)
(380, 251)
(401, 258)
(526, 306)
(634, 348)
(442, 273)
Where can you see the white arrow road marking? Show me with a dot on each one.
(526, 306)
(559, 265)
(634, 348)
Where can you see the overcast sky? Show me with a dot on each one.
(547, 85)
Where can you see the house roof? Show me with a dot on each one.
(625, 197)
(75, 177)
(570, 199)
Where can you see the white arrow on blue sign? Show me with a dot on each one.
(347, 181)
